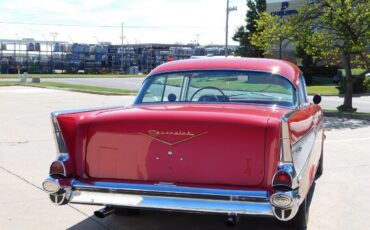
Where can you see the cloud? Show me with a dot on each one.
(159, 21)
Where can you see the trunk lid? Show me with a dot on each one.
(198, 144)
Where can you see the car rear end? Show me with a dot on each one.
(207, 164)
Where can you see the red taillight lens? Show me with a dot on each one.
(57, 168)
(282, 179)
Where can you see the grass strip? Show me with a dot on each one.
(323, 89)
(74, 75)
(349, 115)
(72, 87)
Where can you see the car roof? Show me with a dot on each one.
(283, 68)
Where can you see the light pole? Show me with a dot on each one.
(97, 40)
(46, 42)
(228, 9)
(70, 39)
(53, 34)
(19, 43)
(122, 48)
(19, 53)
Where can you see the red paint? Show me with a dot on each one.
(312, 173)
(234, 139)
(238, 141)
(283, 68)
(239, 146)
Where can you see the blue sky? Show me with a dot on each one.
(159, 21)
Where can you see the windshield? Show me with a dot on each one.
(218, 87)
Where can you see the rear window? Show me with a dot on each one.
(220, 87)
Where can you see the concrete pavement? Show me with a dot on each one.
(340, 200)
(362, 103)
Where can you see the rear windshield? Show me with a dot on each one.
(218, 87)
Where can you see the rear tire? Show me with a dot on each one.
(320, 168)
(301, 218)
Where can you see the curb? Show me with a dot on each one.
(82, 91)
(73, 90)
(348, 116)
(341, 95)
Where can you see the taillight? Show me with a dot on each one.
(282, 178)
(57, 168)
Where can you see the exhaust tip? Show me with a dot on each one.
(231, 221)
(104, 212)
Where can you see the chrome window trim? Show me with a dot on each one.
(303, 90)
(140, 94)
(215, 69)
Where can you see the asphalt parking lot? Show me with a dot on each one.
(341, 198)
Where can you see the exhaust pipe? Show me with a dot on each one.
(232, 220)
(104, 212)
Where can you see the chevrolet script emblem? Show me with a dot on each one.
(171, 137)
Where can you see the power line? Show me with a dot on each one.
(105, 26)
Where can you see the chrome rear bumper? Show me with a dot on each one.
(164, 196)
(170, 197)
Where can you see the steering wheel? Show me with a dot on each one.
(209, 87)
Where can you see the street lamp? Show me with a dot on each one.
(19, 43)
(70, 39)
(122, 48)
(228, 9)
(97, 41)
(53, 34)
(46, 42)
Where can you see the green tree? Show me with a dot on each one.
(333, 30)
(244, 33)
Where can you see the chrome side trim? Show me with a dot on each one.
(58, 136)
(285, 146)
(71, 111)
(302, 150)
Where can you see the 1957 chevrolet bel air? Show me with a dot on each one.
(233, 136)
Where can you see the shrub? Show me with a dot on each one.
(366, 83)
(359, 84)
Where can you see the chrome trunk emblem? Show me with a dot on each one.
(171, 137)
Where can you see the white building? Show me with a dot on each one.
(283, 9)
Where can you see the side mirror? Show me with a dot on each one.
(316, 99)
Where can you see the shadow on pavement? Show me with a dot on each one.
(333, 123)
(179, 221)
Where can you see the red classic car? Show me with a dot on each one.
(233, 136)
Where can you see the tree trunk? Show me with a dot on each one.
(347, 104)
